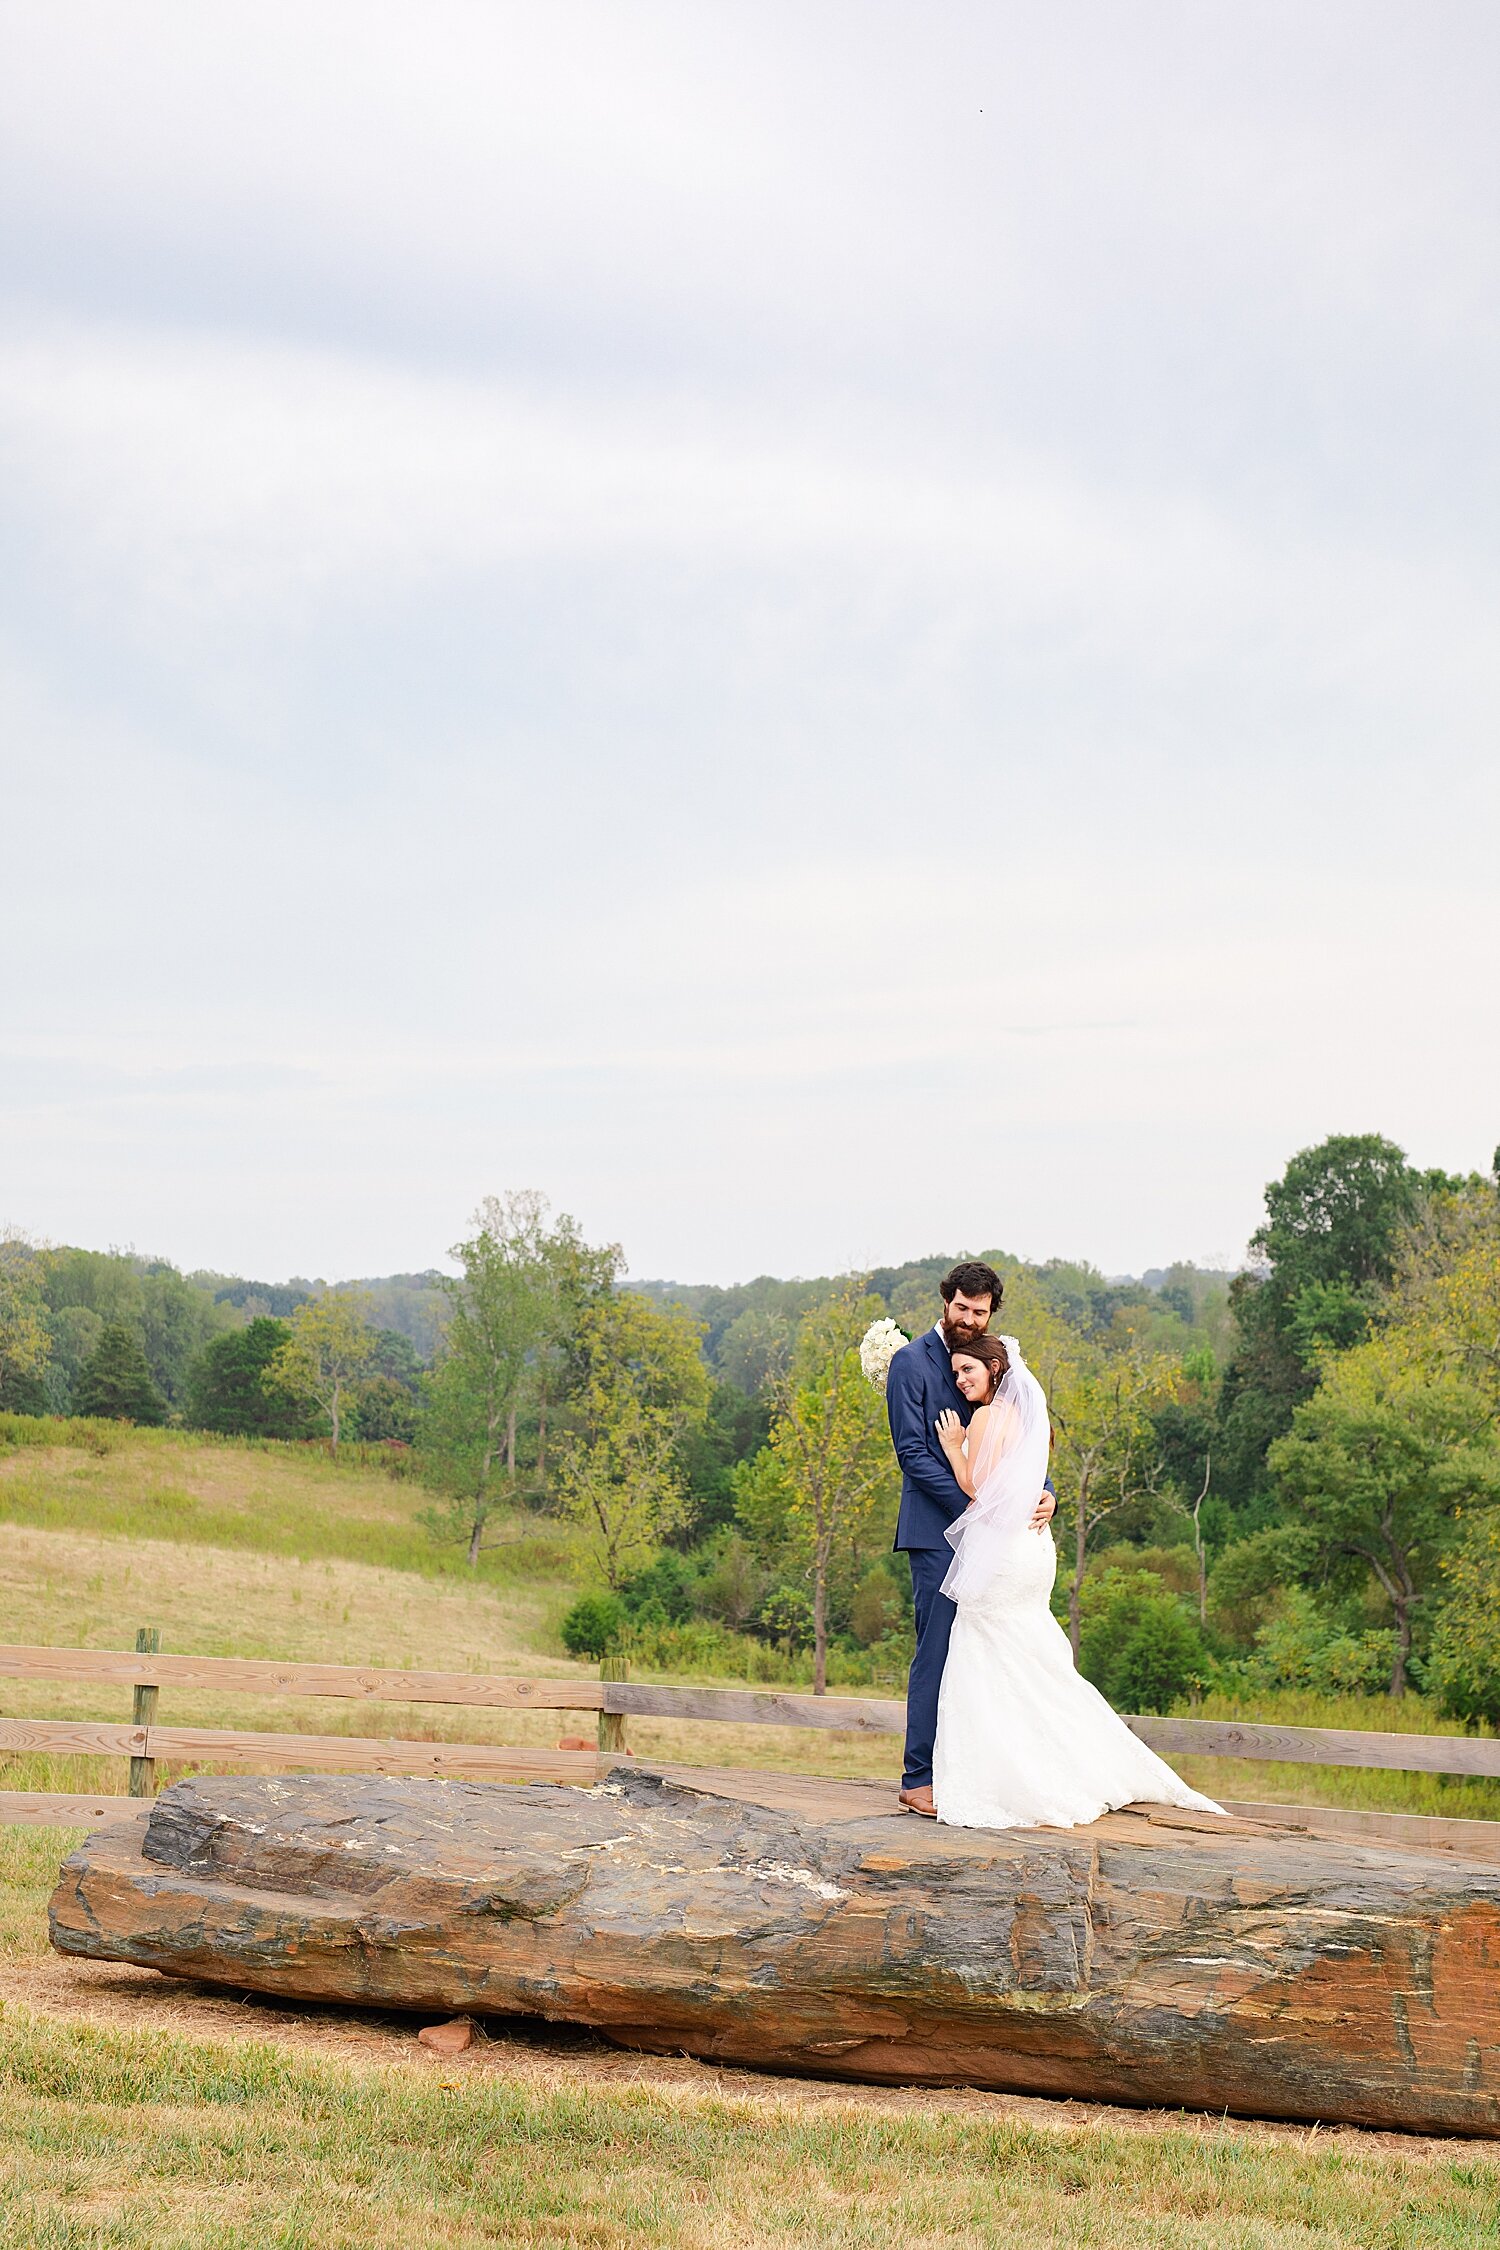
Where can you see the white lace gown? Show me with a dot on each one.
(1023, 1740)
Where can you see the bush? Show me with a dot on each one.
(1301, 1647)
(1163, 1655)
(732, 1585)
(879, 1609)
(1138, 1644)
(593, 1625)
(97, 1437)
(663, 1592)
(1249, 1577)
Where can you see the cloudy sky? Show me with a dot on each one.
(826, 630)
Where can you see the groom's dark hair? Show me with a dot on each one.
(973, 1278)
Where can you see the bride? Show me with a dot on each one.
(1023, 1740)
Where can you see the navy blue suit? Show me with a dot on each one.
(920, 1384)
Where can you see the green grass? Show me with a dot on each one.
(109, 2138)
(248, 1495)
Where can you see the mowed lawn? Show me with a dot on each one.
(167, 2139)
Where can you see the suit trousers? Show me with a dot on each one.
(935, 1615)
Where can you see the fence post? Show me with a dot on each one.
(612, 1723)
(143, 1712)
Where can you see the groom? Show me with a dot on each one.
(920, 1384)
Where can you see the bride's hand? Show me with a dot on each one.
(950, 1431)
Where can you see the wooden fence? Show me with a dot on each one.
(612, 1698)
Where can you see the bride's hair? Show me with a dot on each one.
(991, 1351)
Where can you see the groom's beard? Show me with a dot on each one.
(964, 1333)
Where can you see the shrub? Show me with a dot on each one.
(1161, 1657)
(1301, 1647)
(1139, 1644)
(1250, 1575)
(786, 1615)
(97, 1437)
(879, 1608)
(733, 1584)
(593, 1625)
(663, 1592)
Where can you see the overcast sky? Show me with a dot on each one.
(825, 630)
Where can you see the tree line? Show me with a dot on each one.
(1281, 1477)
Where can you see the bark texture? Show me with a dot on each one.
(1179, 1960)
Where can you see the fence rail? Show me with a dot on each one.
(612, 1700)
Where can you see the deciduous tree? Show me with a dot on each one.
(24, 1345)
(1103, 1408)
(1379, 1462)
(327, 1347)
(641, 1384)
(831, 1447)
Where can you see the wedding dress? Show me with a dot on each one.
(1023, 1740)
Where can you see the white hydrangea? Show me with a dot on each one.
(878, 1347)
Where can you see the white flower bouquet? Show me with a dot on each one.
(878, 1347)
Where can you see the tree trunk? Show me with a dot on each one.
(1402, 1609)
(820, 1627)
(510, 1446)
(541, 1431)
(475, 1534)
(1080, 1542)
(333, 1421)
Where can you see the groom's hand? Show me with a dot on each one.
(1045, 1508)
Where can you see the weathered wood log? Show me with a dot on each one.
(1176, 1960)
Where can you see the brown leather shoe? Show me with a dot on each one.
(919, 1800)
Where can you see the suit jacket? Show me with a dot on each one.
(917, 1388)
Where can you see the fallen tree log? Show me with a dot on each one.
(1176, 1961)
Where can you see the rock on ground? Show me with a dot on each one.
(1180, 1962)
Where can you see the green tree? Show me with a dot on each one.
(1463, 1670)
(1378, 1463)
(384, 1411)
(326, 1349)
(24, 1340)
(176, 1321)
(1329, 1245)
(830, 1445)
(641, 1386)
(1104, 1411)
(518, 1290)
(116, 1382)
(228, 1391)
